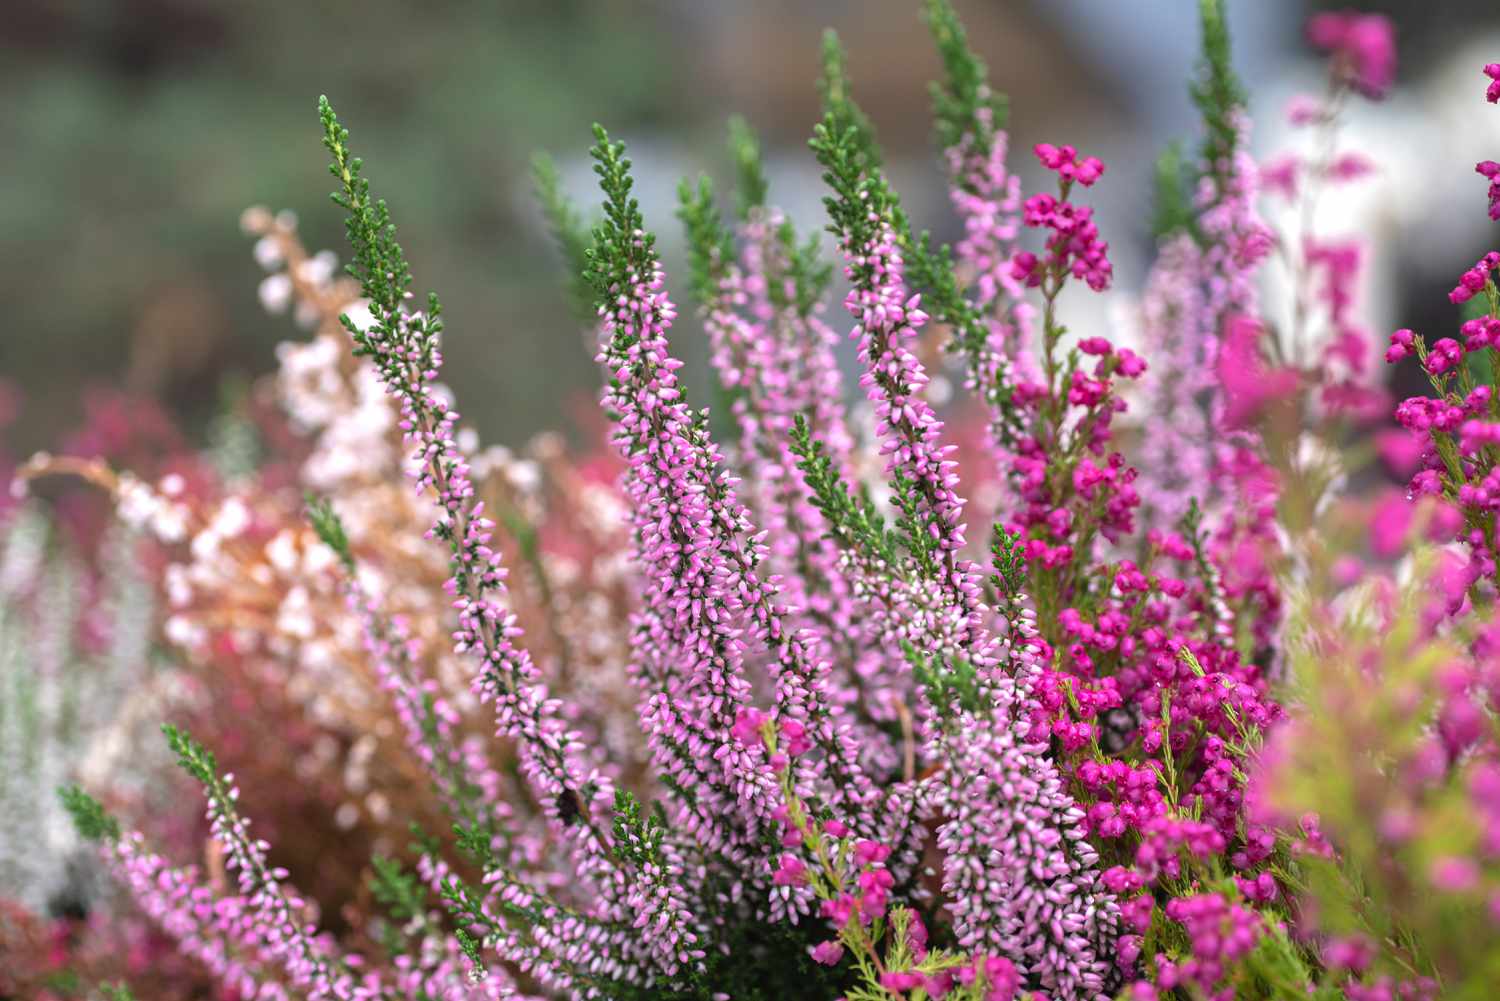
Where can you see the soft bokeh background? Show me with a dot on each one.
(135, 132)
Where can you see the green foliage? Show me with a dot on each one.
(861, 198)
(840, 112)
(844, 145)
(90, 819)
(1217, 91)
(470, 946)
(810, 274)
(749, 168)
(569, 232)
(959, 99)
(380, 267)
(474, 841)
(855, 524)
(330, 528)
(379, 263)
(623, 252)
(400, 892)
(404, 899)
(1218, 95)
(1008, 558)
(192, 757)
(911, 524)
(637, 834)
(952, 686)
(116, 992)
(710, 244)
(1172, 205)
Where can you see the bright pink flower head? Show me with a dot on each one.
(1064, 160)
(1492, 71)
(1001, 978)
(1453, 874)
(1249, 384)
(900, 981)
(747, 724)
(1490, 171)
(1401, 345)
(1389, 525)
(1279, 175)
(870, 852)
(1444, 355)
(1401, 451)
(828, 953)
(795, 735)
(1363, 47)
(792, 872)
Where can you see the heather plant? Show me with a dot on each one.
(746, 709)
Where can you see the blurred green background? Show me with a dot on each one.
(135, 133)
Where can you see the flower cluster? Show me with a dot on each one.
(1363, 47)
(1455, 430)
(738, 711)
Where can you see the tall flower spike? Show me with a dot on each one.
(773, 354)
(685, 517)
(465, 781)
(1204, 274)
(994, 334)
(866, 219)
(403, 344)
(308, 961)
(695, 536)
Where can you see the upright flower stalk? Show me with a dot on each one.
(780, 734)
(403, 345)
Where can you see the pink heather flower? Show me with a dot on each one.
(1490, 171)
(1400, 451)
(747, 726)
(828, 953)
(1002, 979)
(1363, 47)
(1350, 166)
(1481, 332)
(1402, 342)
(1390, 524)
(1445, 354)
(1280, 175)
(900, 981)
(1492, 94)
(916, 936)
(1472, 281)
(1248, 383)
(1353, 953)
(795, 736)
(1452, 874)
(1304, 109)
(791, 872)
(1064, 161)
(1074, 246)
(870, 852)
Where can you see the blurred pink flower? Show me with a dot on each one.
(1248, 382)
(1363, 47)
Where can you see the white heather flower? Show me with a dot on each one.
(294, 617)
(268, 253)
(179, 589)
(275, 293)
(281, 552)
(318, 269)
(307, 315)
